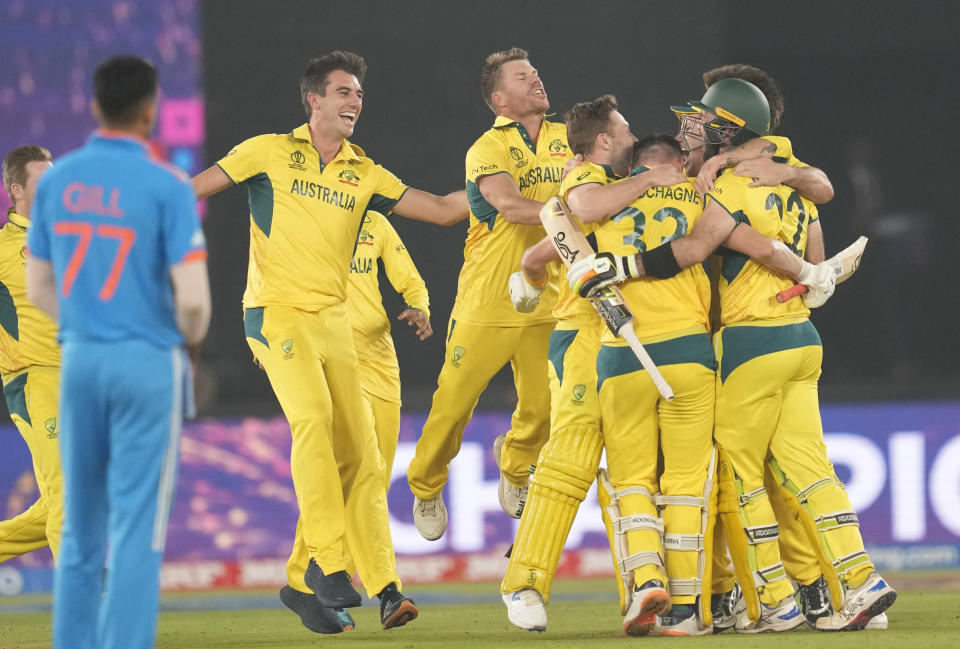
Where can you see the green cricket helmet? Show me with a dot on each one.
(737, 104)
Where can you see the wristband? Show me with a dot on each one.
(660, 262)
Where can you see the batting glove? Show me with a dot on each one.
(592, 273)
(524, 296)
(820, 280)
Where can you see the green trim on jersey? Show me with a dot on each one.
(617, 361)
(8, 313)
(744, 343)
(260, 199)
(479, 207)
(15, 395)
(560, 342)
(253, 324)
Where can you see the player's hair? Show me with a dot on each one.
(122, 86)
(314, 78)
(490, 72)
(15, 164)
(656, 148)
(587, 120)
(757, 77)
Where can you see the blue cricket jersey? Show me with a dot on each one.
(112, 220)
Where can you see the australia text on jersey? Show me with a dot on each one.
(334, 197)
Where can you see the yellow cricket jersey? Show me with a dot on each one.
(570, 306)
(660, 307)
(493, 246)
(379, 371)
(27, 336)
(747, 289)
(304, 215)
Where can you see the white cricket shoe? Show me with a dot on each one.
(512, 498)
(726, 608)
(525, 609)
(878, 623)
(860, 604)
(683, 620)
(782, 617)
(648, 601)
(430, 517)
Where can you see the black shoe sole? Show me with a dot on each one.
(314, 616)
(405, 612)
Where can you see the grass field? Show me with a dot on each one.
(581, 614)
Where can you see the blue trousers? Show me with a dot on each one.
(121, 410)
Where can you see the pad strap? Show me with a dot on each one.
(832, 521)
(678, 501)
(762, 533)
(639, 559)
(749, 497)
(683, 542)
(764, 576)
(847, 563)
(635, 522)
(681, 587)
(630, 491)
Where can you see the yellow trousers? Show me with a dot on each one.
(32, 398)
(474, 355)
(337, 469)
(767, 404)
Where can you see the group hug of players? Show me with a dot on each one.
(741, 438)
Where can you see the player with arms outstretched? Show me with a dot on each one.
(511, 169)
(309, 190)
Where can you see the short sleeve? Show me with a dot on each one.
(38, 235)
(485, 158)
(387, 192)
(587, 174)
(725, 191)
(183, 236)
(248, 158)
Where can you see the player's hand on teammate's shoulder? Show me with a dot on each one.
(572, 163)
(525, 296)
(417, 318)
(708, 173)
(764, 171)
(820, 280)
(664, 175)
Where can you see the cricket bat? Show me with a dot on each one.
(844, 264)
(572, 245)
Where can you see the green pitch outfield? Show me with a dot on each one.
(581, 614)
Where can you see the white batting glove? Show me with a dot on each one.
(525, 297)
(820, 280)
(593, 272)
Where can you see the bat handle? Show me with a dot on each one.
(792, 292)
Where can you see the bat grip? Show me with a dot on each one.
(792, 292)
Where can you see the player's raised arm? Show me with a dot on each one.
(441, 210)
(810, 182)
(502, 193)
(210, 181)
(594, 202)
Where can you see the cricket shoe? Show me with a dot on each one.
(860, 604)
(525, 609)
(683, 620)
(878, 623)
(783, 617)
(315, 616)
(726, 607)
(396, 609)
(333, 590)
(512, 498)
(648, 601)
(430, 517)
(814, 601)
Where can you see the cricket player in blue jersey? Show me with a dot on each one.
(116, 254)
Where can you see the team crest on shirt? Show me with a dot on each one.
(51, 426)
(349, 177)
(517, 156)
(365, 238)
(578, 391)
(287, 347)
(458, 353)
(296, 161)
(558, 149)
